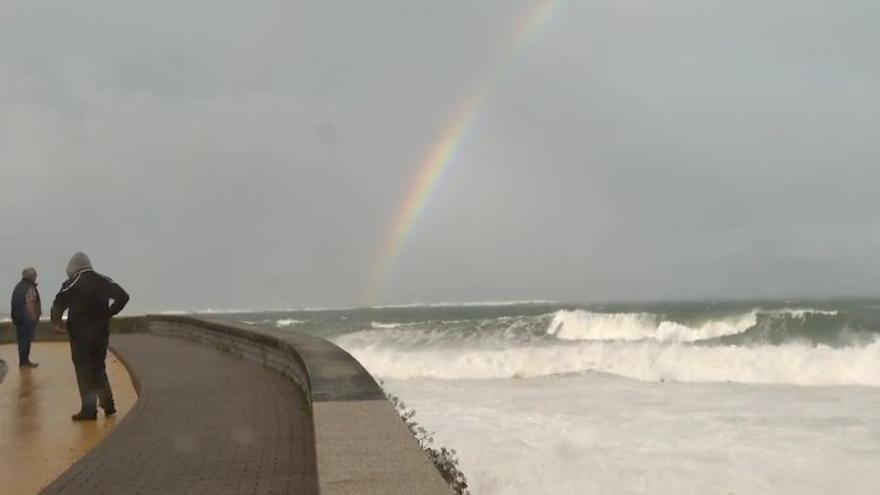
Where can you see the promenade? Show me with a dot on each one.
(219, 409)
(206, 422)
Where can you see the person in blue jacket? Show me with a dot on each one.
(26, 311)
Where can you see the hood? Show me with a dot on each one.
(78, 263)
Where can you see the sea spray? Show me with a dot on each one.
(647, 361)
(588, 325)
(444, 460)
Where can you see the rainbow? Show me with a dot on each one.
(443, 152)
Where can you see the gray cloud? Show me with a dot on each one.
(221, 154)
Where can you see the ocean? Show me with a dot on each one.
(687, 398)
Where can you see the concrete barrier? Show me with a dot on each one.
(45, 333)
(362, 445)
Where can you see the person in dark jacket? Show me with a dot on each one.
(26, 311)
(86, 297)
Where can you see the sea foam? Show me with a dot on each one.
(647, 361)
(588, 325)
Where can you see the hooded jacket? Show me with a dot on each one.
(86, 297)
(78, 262)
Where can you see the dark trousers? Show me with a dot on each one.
(24, 334)
(91, 375)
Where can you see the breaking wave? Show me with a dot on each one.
(757, 327)
(587, 325)
(287, 322)
(376, 324)
(791, 346)
(814, 327)
(648, 361)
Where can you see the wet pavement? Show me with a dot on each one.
(38, 441)
(205, 422)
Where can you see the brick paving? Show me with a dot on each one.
(205, 422)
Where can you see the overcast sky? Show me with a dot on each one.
(229, 154)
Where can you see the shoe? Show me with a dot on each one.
(84, 416)
(109, 411)
(28, 365)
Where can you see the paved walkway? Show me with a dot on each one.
(205, 422)
(38, 441)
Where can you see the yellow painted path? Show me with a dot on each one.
(38, 441)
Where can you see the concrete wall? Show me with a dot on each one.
(120, 324)
(362, 445)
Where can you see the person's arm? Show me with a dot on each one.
(60, 305)
(31, 302)
(118, 295)
(19, 307)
